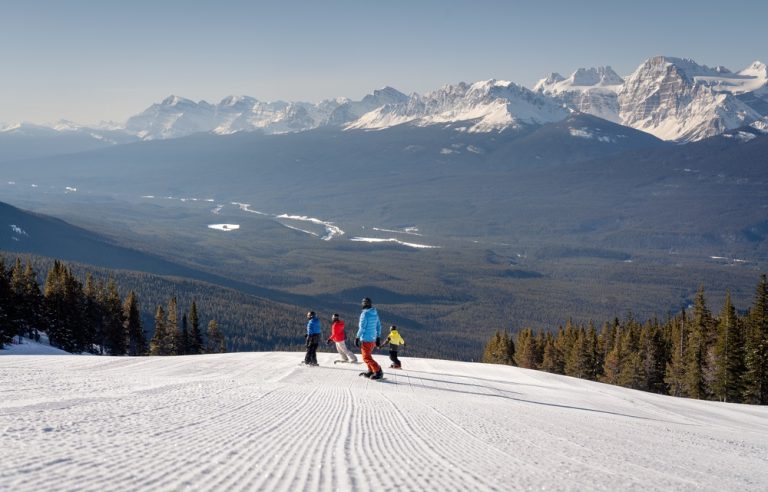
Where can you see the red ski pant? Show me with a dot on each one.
(367, 350)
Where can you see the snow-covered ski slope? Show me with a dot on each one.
(259, 421)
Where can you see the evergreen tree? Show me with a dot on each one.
(33, 300)
(499, 349)
(6, 299)
(699, 341)
(654, 357)
(614, 361)
(674, 375)
(576, 362)
(114, 322)
(137, 343)
(550, 355)
(525, 349)
(755, 379)
(216, 342)
(19, 312)
(558, 354)
(195, 335)
(729, 353)
(172, 332)
(631, 374)
(94, 316)
(184, 339)
(157, 346)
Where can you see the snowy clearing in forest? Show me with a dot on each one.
(259, 421)
(224, 227)
(392, 240)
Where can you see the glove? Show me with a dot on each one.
(378, 342)
(357, 342)
(328, 342)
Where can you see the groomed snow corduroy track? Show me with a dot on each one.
(258, 421)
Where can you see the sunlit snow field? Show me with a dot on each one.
(259, 421)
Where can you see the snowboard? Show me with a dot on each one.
(345, 362)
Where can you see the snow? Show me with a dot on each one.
(246, 207)
(491, 105)
(224, 227)
(392, 240)
(30, 347)
(413, 231)
(586, 133)
(258, 421)
(18, 230)
(331, 230)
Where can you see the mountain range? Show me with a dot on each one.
(671, 98)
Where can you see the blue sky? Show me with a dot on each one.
(106, 60)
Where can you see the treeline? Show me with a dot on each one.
(92, 317)
(694, 354)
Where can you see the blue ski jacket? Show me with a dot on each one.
(370, 325)
(313, 326)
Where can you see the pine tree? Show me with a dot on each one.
(216, 342)
(631, 374)
(137, 343)
(19, 310)
(654, 357)
(157, 346)
(525, 349)
(755, 379)
(172, 332)
(6, 300)
(114, 322)
(33, 301)
(614, 361)
(195, 335)
(558, 354)
(576, 359)
(499, 349)
(550, 355)
(699, 338)
(674, 375)
(729, 354)
(184, 339)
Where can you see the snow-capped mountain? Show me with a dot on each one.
(593, 91)
(677, 99)
(485, 106)
(350, 111)
(176, 117)
(671, 98)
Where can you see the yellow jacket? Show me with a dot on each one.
(394, 339)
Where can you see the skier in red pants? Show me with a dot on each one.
(368, 337)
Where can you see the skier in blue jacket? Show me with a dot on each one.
(313, 339)
(369, 333)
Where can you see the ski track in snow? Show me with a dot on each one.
(258, 421)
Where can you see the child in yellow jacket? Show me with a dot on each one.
(395, 341)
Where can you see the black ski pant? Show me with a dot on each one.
(393, 358)
(312, 342)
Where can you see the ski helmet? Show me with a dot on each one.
(367, 302)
